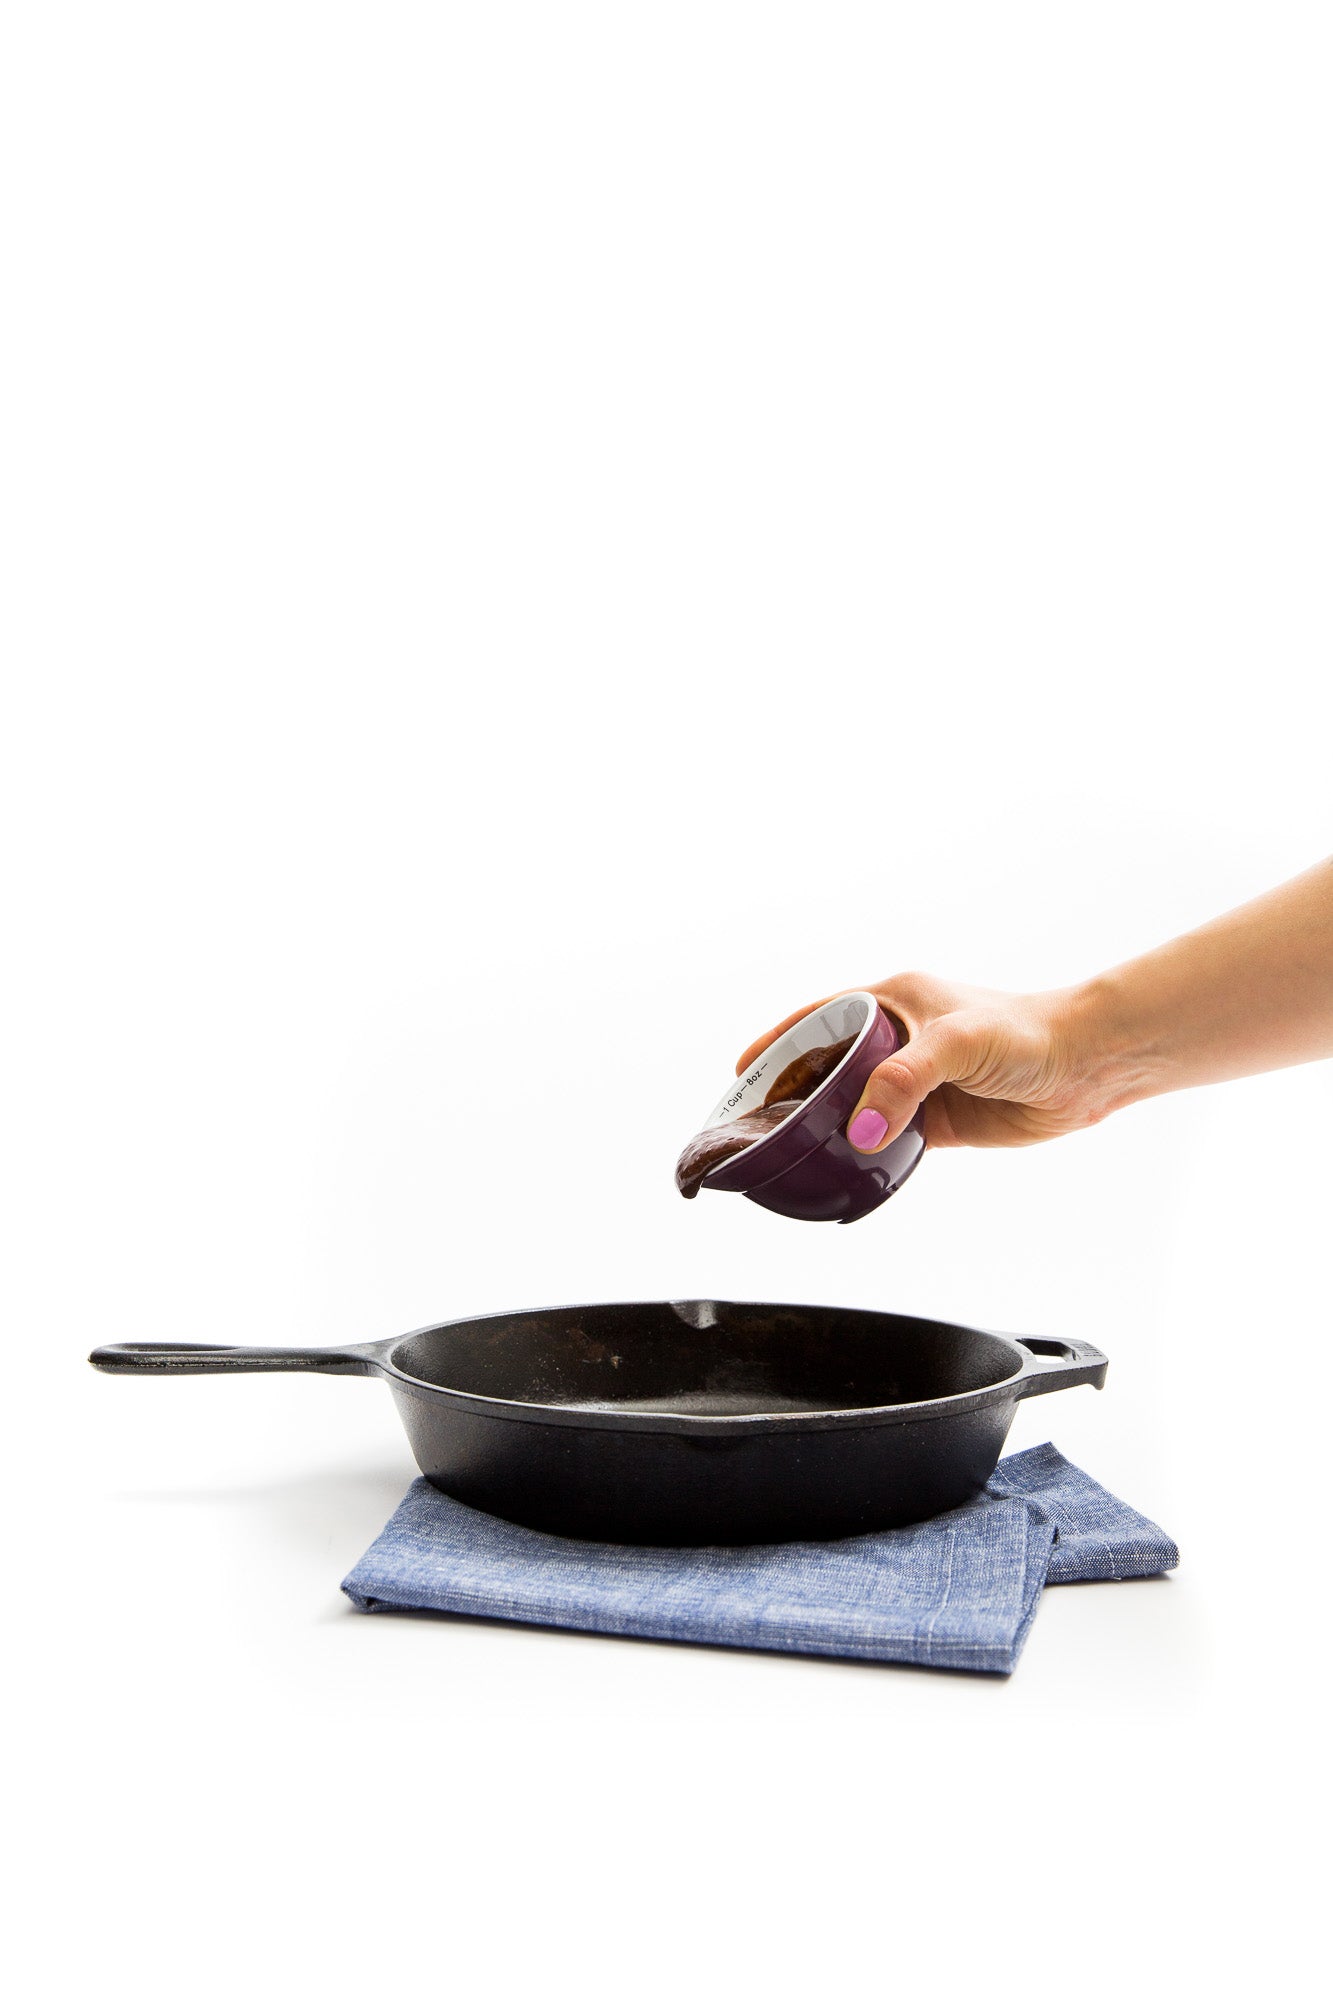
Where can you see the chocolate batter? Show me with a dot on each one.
(708, 1149)
(799, 1078)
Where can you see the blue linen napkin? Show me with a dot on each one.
(957, 1591)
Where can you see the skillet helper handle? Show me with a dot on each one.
(1060, 1364)
(157, 1357)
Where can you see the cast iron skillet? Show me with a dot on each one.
(689, 1421)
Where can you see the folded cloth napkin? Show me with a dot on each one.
(958, 1591)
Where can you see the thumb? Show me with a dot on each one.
(893, 1092)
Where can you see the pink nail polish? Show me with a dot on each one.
(867, 1129)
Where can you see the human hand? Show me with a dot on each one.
(1250, 991)
(990, 1069)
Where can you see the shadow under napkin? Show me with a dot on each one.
(957, 1591)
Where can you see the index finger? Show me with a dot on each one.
(757, 1048)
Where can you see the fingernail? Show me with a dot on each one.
(867, 1129)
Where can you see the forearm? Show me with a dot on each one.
(1251, 991)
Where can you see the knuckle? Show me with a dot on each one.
(893, 1079)
(916, 990)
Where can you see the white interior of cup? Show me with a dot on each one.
(850, 1014)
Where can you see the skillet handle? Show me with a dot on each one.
(1060, 1364)
(158, 1357)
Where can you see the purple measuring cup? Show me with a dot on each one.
(806, 1167)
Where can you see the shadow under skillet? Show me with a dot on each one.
(316, 1511)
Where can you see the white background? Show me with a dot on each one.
(539, 537)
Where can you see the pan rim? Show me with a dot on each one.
(576, 1416)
